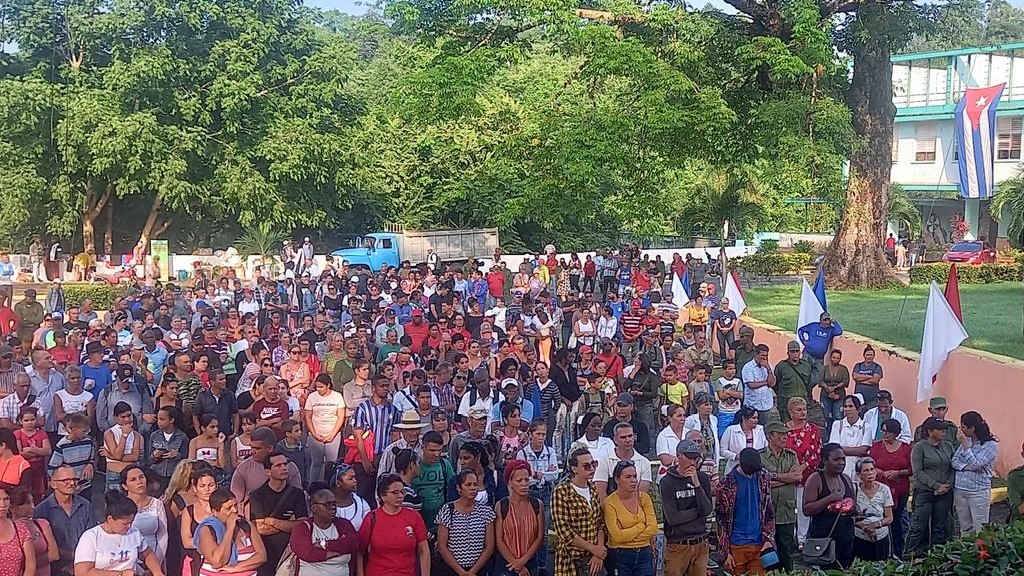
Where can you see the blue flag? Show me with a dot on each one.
(819, 289)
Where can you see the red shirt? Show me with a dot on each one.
(63, 354)
(890, 243)
(8, 321)
(589, 268)
(632, 325)
(806, 442)
(898, 460)
(393, 540)
(266, 410)
(614, 362)
(418, 333)
(496, 284)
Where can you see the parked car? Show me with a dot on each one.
(966, 252)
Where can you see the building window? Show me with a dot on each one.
(1008, 131)
(924, 143)
(386, 244)
(895, 145)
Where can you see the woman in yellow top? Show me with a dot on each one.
(698, 314)
(629, 517)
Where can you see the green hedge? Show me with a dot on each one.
(102, 294)
(966, 274)
(995, 551)
(772, 263)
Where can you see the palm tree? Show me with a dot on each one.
(262, 242)
(903, 211)
(723, 200)
(1009, 203)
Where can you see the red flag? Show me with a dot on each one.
(952, 293)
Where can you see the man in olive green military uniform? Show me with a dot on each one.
(744, 349)
(938, 408)
(792, 379)
(786, 473)
(30, 314)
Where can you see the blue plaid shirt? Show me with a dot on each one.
(974, 465)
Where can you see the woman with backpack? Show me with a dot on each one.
(519, 527)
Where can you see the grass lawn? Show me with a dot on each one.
(993, 313)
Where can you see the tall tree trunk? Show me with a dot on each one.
(108, 231)
(856, 258)
(95, 201)
(151, 228)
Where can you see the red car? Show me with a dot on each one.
(970, 253)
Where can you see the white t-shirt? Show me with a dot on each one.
(606, 465)
(583, 492)
(72, 403)
(110, 551)
(324, 410)
(666, 444)
(355, 512)
(293, 407)
(337, 566)
(597, 447)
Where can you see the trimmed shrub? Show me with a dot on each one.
(966, 274)
(102, 294)
(768, 246)
(766, 265)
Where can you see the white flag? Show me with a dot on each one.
(943, 333)
(732, 291)
(679, 295)
(810, 308)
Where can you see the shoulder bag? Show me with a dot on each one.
(822, 551)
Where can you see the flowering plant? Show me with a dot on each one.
(959, 227)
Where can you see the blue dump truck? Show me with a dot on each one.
(398, 245)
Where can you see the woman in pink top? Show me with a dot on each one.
(17, 553)
(43, 542)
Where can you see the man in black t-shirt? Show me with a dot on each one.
(275, 508)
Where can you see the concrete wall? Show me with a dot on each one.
(990, 384)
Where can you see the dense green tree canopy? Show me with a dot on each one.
(193, 119)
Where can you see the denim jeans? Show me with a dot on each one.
(543, 493)
(833, 410)
(630, 562)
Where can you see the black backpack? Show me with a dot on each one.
(503, 506)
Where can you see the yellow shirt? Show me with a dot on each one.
(698, 316)
(626, 529)
(675, 394)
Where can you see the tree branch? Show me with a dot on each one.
(161, 228)
(751, 8)
(284, 84)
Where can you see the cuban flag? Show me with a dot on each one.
(975, 119)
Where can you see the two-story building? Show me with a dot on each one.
(926, 89)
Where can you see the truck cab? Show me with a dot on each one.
(372, 251)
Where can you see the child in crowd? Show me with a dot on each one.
(543, 463)
(293, 449)
(34, 446)
(122, 445)
(240, 449)
(700, 384)
(672, 391)
(77, 451)
(208, 446)
(729, 390)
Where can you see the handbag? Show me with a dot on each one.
(821, 551)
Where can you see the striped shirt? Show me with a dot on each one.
(74, 453)
(974, 465)
(632, 325)
(7, 378)
(380, 418)
(756, 398)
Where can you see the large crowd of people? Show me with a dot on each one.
(552, 415)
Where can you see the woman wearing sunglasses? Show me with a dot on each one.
(578, 519)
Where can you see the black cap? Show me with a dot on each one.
(125, 373)
(209, 325)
